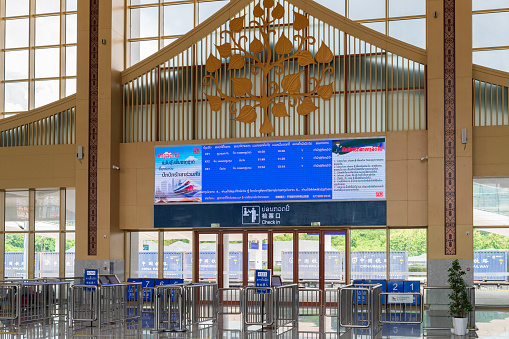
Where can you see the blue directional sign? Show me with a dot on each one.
(262, 279)
(91, 277)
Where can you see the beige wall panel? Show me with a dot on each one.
(491, 170)
(434, 37)
(490, 150)
(128, 217)
(397, 146)
(464, 242)
(397, 213)
(145, 216)
(436, 191)
(145, 187)
(82, 212)
(464, 191)
(128, 178)
(396, 180)
(117, 244)
(417, 180)
(145, 155)
(128, 156)
(36, 166)
(103, 197)
(10, 166)
(81, 237)
(64, 168)
(464, 115)
(417, 144)
(417, 213)
(436, 242)
(463, 25)
(435, 118)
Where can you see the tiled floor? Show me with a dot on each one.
(490, 324)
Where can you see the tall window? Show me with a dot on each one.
(44, 240)
(154, 24)
(404, 20)
(490, 41)
(39, 53)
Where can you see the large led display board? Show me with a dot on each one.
(312, 170)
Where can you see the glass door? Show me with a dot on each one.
(233, 249)
(335, 259)
(257, 253)
(207, 257)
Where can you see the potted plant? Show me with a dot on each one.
(459, 305)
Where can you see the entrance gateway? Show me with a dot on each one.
(252, 192)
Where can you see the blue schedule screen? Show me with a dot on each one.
(271, 171)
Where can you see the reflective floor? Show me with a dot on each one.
(490, 324)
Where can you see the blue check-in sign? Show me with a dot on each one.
(91, 277)
(262, 279)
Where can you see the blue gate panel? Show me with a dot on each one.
(413, 286)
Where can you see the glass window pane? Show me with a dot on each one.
(178, 255)
(366, 9)
(70, 251)
(16, 33)
(144, 254)
(16, 7)
(70, 61)
(308, 260)
(46, 255)
(491, 201)
(377, 26)
(410, 31)
(178, 19)
(207, 267)
(71, 5)
(142, 49)
(206, 9)
(46, 91)
(47, 210)
(70, 208)
(166, 42)
(283, 256)
(257, 253)
(408, 254)
(71, 30)
(495, 59)
(232, 268)
(406, 7)
(489, 4)
(47, 30)
(490, 266)
(368, 254)
(335, 264)
(490, 30)
(337, 6)
(47, 62)
(143, 2)
(16, 255)
(70, 86)
(16, 211)
(16, 65)
(144, 22)
(47, 6)
(16, 96)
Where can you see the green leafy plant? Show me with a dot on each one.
(459, 306)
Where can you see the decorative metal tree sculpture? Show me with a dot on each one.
(263, 60)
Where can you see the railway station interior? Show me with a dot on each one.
(253, 168)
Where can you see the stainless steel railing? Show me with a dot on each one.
(229, 300)
(359, 306)
(310, 302)
(106, 304)
(258, 306)
(200, 303)
(26, 302)
(436, 308)
(407, 308)
(286, 308)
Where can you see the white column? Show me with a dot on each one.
(226, 261)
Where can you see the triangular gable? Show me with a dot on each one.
(282, 68)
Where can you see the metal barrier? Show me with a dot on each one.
(436, 308)
(169, 308)
(359, 305)
(404, 308)
(330, 303)
(229, 300)
(179, 306)
(310, 301)
(33, 301)
(258, 306)
(201, 303)
(106, 304)
(286, 305)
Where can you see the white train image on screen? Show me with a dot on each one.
(187, 188)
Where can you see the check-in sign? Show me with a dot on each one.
(400, 298)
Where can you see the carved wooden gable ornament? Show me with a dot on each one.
(270, 86)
